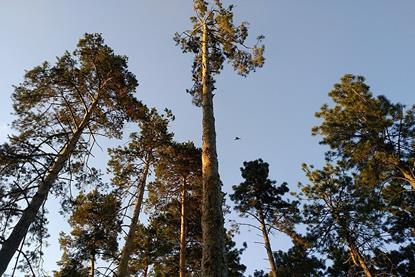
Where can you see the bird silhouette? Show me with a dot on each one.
(237, 138)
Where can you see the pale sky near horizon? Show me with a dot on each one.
(309, 46)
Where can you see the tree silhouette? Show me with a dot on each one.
(258, 197)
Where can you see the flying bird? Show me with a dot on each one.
(237, 138)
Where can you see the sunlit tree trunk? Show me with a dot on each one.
(92, 268)
(213, 259)
(183, 230)
(126, 251)
(268, 245)
(410, 177)
(10, 245)
(358, 259)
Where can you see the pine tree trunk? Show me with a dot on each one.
(268, 246)
(183, 230)
(126, 251)
(92, 269)
(145, 274)
(213, 258)
(409, 177)
(358, 259)
(10, 245)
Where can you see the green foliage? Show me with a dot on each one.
(226, 42)
(166, 220)
(341, 215)
(368, 132)
(258, 192)
(399, 262)
(151, 243)
(127, 162)
(233, 256)
(260, 198)
(259, 273)
(297, 262)
(70, 267)
(95, 223)
(341, 265)
(374, 138)
(62, 107)
(179, 164)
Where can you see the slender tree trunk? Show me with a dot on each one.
(213, 258)
(268, 246)
(92, 269)
(20, 230)
(145, 274)
(126, 251)
(183, 230)
(358, 259)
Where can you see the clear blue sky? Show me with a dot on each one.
(309, 46)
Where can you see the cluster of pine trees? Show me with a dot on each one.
(355, 216)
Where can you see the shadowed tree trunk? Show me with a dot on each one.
(129, 240)
(10, 245)
(145, 271)
(213, 259)
(268, 245)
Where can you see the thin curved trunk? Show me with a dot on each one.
(126, 251)
(10, 245)
(267, 243)
(213, 257)
(183, 230)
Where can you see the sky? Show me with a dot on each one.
(309, 46)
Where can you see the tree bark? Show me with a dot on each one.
(92, 269)
(20, 230)
(183, 230)
(213, 258)
(409, 176)
(129, 240)
(358, 259)
(268, 246)
(145, 270)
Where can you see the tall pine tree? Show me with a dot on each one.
(60, 109)
(214, 39)
(131, 166)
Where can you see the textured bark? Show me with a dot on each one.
(268, 246)
(213, 258)
(358, 259)
(183, 230)
(129, 240)
(10, 245)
